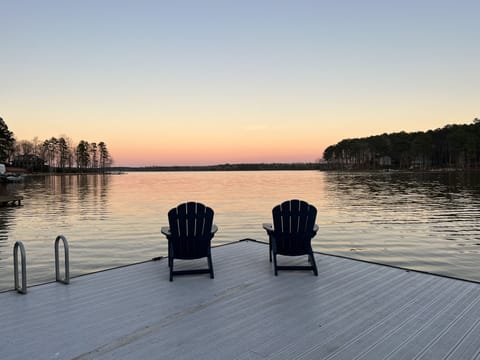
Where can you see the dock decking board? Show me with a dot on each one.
(352, 310)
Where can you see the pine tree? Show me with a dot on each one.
(7, 142)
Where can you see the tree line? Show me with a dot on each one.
(453, 146)
(227, 167)
(58, 154)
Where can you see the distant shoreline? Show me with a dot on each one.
(185, 168)
(237, 167)
(275, 167)
(226, 167)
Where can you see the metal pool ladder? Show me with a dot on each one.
(66, 279)
(22, 289)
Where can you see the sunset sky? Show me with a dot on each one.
(209, 82)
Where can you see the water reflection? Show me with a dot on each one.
(423, 221)
(4, 225)
(7, 213)
(427, 221)
(429, 183)
(53, 205)
(407, 191)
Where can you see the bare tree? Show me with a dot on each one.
(50, 152)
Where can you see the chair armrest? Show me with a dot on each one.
(315, 229)
(214, 229)
(166, 231)
(268, 228)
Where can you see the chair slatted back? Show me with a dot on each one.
(293, 223)
(190, 226)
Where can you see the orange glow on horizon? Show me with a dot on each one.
(196, 148)
(212, 156)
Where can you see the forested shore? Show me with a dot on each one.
(57, 154)
(455, 147)
(450, 147)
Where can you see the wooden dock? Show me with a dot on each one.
(352, 310)
(10, 200)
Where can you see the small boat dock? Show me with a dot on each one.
(352, 310)
(10, 200)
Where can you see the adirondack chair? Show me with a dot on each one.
(189, 236)
(292, 232)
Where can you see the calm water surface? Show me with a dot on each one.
(420, 221)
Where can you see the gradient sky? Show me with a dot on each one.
(208, 82)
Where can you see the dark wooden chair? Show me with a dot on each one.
(189, 236)
(292, 232)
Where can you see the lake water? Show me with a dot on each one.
(423, 221)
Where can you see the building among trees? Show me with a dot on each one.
(32, 163)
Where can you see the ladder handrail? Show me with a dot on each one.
(20, 289)
(66, 279)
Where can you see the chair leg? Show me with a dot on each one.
(170, 258)
(275, 264)
(171, 269)
(210, 266)
(270, 247)
(314, 264)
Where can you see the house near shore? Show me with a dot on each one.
(384, 161)
(29, 162)
(420, 162)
